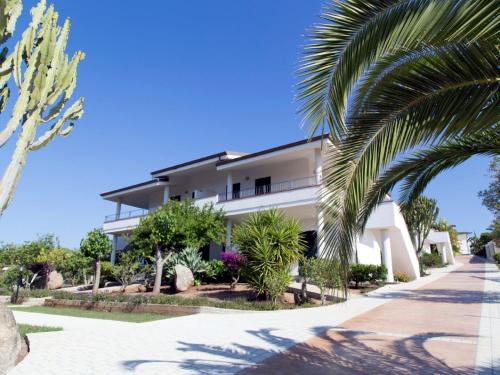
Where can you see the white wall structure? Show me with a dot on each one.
(491, 250)
(286, 177)
(443, 244)
(463, 241)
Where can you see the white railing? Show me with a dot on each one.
(268, 189)
(126, 215)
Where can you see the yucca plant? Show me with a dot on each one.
(388, 77)
(271, 243)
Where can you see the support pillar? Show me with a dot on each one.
(229, 187)
(442, 251)
(118, 210)
(318, 170)
(229, 229)
(166, 194)
(114, 249)
(319, 233)
(387, 254)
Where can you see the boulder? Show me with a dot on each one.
(183, 278)
(56, 281)
(135, 288)
(10, 341)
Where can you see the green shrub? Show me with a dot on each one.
(108, 272)
(362, 273)
(401, 277)
(271, 243)
(496, 257)
(216, 271)
(432, 260)
(277, 283)
(190, 258)
(321, 272)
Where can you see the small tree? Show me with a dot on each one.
(75, 267)
(420, 215)
(443, 226)
(175, 227)
(96, 246)
(271, 243)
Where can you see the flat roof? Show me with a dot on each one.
(204, 158)
(141, 184)
(273, 149)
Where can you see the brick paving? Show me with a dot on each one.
(431, 330)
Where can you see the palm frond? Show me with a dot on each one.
(358, 33)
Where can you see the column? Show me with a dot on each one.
(318, 170)
(229, 228)
(387, 254)
(442, 250)
(118, 210)
(166, 194)
(229, 186)
(319, 233)
(114, 249)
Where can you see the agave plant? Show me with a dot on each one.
(392, 79)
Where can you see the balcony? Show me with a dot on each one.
(126, 215)
(278, 187)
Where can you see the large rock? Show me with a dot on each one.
(10, 341)
(56, 281)
(135, 288)
(183, 278)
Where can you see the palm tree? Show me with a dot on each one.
(392, 79)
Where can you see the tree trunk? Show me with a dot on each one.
(159, 271)
(97, 278)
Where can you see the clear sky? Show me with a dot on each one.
(170, 81)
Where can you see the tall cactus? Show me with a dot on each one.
(45, 79)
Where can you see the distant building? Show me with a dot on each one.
(463, 241)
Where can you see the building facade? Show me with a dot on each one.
(286, 177)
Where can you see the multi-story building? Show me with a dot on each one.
(286, 177)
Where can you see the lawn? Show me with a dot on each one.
(24, 329)
(120, 316)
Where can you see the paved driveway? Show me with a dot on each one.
(399, 327)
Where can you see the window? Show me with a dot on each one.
(176, 198)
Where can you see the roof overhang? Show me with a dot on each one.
(115, 195)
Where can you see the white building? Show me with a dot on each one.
(443, 245)
(287, 177)
(463, 240)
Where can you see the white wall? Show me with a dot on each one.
(368, 248)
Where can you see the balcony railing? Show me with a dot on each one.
(268, 189)
(126, 215)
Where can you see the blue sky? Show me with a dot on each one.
(169, 81)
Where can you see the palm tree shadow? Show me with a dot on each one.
(338, 352)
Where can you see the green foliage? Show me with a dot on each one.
(190, 258)
(477, 243)
(127, 269)
(271, 243)
(432, 260)
(443, 226)
(361, 273)
(395, 82)
(401, 277)
(174, 227)
(216, 271)
(96, 245)
(75, 267)
(277, 283)
(27, 253)
(491, 197)
(108, 272)
(420, 215)
(321, 272)
(496, 257)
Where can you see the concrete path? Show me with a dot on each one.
(227, 344)
(432, 330)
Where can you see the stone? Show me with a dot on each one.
(135, 288)
(183, 278)
(10, 340)
(56, 280)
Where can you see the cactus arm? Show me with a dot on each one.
(73, 113)
(10, 10)
(13, 171)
